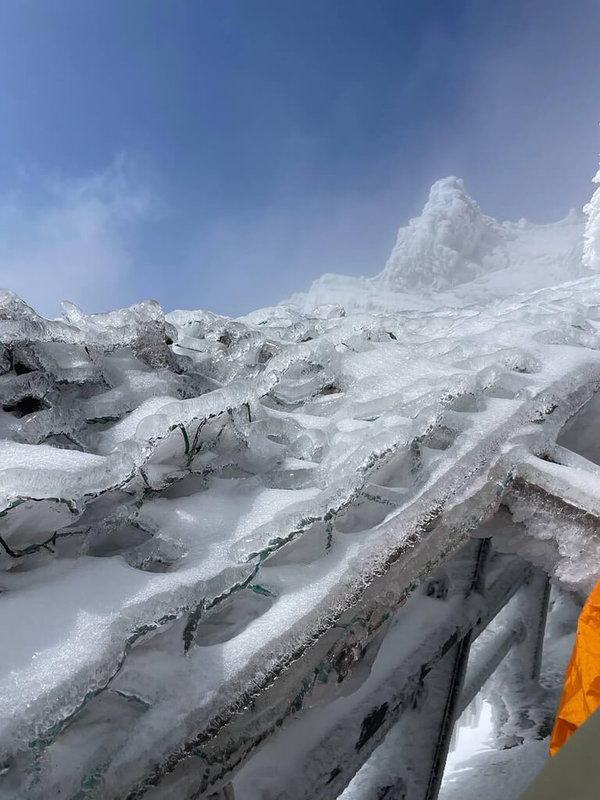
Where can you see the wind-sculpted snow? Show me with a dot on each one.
(188, 501)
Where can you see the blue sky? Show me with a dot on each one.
(221, 154)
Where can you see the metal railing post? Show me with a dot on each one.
(422, 737)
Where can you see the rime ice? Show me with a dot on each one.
(188, 501)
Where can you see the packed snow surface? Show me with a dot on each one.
(185, 497)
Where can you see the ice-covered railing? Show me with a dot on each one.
(190, 503)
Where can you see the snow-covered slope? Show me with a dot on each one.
(454, 255)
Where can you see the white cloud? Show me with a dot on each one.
(72, 238)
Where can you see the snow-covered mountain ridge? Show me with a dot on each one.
(454, 255)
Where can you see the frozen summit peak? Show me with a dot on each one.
(454, 243)
(451, 218)
(455, 254)
(451, 243)
(448, 199)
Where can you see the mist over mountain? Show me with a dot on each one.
(454, 254)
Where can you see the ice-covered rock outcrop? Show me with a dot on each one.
(451, 243)
(453, 254)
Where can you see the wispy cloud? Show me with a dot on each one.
(65, 238)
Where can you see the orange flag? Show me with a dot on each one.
(581, 692)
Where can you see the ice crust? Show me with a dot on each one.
(186, 500)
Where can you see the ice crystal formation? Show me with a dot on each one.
(189, 503)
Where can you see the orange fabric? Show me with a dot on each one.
(581, 692)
